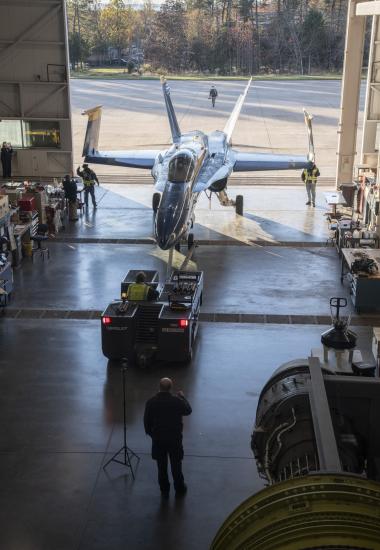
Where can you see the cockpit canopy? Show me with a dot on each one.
(181, 167)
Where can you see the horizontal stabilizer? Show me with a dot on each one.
(229, 127)
(174, 126)
(92, 133)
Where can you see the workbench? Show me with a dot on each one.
(365, 288)
(334, 199)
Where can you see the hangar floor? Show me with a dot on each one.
(60, 405)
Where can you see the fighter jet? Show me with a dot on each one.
(195, 162)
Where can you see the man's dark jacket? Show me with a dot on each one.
(6, 154)
(70, 187)
(163, 416)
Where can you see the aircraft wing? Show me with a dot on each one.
(249, 162)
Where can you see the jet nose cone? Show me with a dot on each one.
(168, 226)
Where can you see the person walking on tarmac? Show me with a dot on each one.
(309, 176)
(139, 290)
(213, 94)
(163, 423)
(89, 178)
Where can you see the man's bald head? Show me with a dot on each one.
(166, 384)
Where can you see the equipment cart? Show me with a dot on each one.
(161, 330)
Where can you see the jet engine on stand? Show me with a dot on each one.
(316, 442)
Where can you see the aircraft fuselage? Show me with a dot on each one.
(190, 166)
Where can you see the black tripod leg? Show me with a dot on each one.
(127, 452)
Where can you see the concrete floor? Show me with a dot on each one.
(61, 419)
(60, 404)
(237, 279)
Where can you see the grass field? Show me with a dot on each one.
(118, 73)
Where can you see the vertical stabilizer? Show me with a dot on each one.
(229, 127)
(90, 146)
(176, 132)
(309, 126)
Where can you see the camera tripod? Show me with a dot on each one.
(126, 454)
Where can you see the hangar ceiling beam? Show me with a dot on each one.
(34, 27)
(34, 107)
(27, 3)
(353, 59)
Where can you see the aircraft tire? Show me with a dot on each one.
(156, 201)
(190, 240)
(239, 205)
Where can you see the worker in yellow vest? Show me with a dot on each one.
(89, 178)
(309, 176)
(139, 290)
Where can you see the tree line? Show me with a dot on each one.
(210, 36)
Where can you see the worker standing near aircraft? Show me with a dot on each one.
(213, 94)
(309, 176)
(139, 290)
(89, 178)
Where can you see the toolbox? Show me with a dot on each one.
(27, 203)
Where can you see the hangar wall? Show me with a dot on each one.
(34, 87)
(349, 106)
(371, 123)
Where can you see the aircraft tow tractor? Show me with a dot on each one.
(163, 330)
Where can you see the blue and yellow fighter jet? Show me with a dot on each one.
(195, 162)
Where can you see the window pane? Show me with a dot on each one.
(10, 131)
(42, 134)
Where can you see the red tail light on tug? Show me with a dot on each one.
(183, 323)
(106, 320)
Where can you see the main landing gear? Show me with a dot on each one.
(226, 201)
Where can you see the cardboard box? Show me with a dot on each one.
(14, 195)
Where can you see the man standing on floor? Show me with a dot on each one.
(6, 159)
(89, 178)
(70, 187)
(163, 423)
(309, 176)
